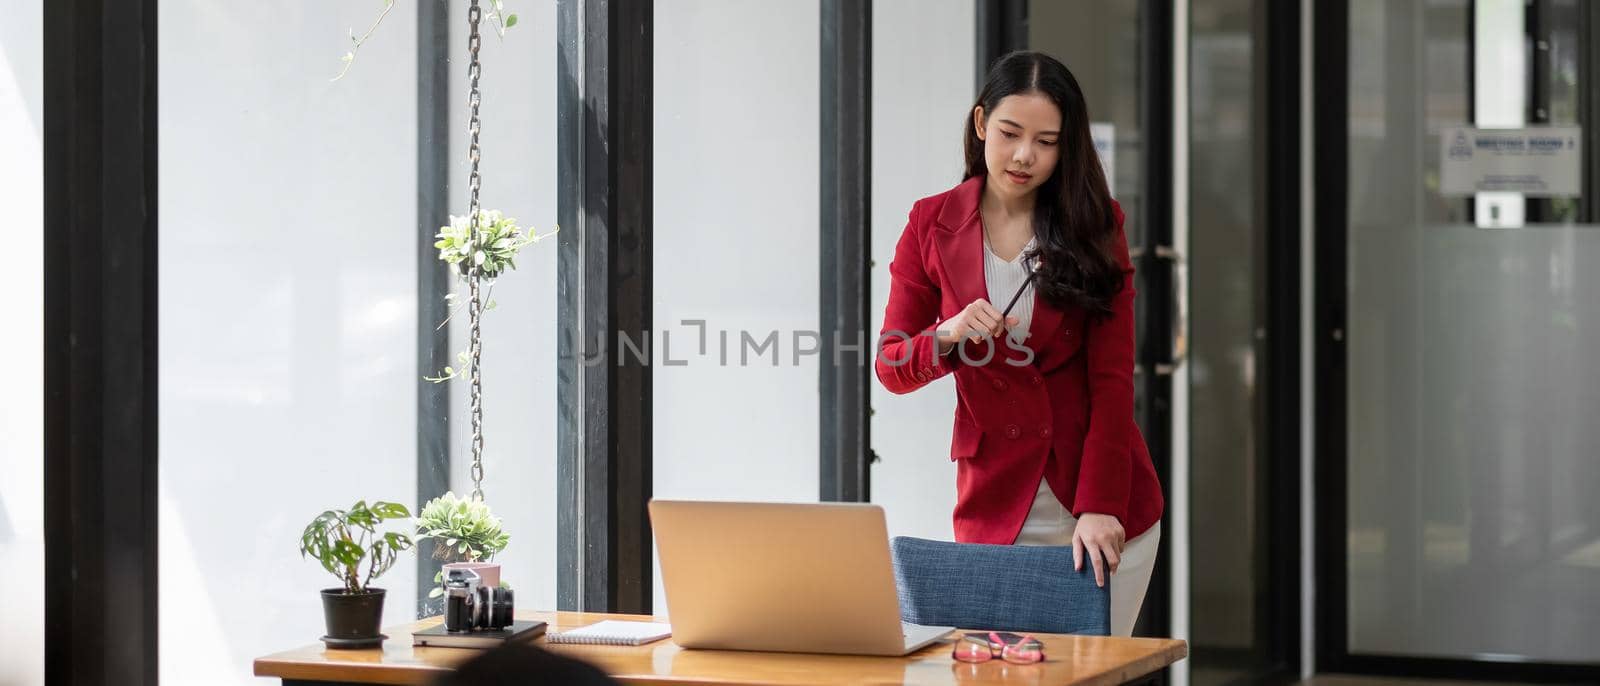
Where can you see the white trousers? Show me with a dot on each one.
(1049, 523)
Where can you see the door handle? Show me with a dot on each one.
(1162, 252)
(1180, 315)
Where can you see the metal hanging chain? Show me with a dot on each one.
(475, 308)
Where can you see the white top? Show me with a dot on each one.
(1003, 279)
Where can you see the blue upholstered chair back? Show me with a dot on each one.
(1000, 587)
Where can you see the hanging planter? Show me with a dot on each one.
(481, 245)
(464, 534)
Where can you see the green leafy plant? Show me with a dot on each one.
(462, 529)
(499, 242)
(342, 539)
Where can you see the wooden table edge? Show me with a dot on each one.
(281, 666)
(1175, 649)
(268, 667)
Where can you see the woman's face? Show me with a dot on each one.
(1020, 142)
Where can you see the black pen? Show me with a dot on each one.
(1033, 270)
(1018, 296)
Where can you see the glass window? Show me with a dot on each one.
(736, 247)
(922, 75)
(289, 253)
(22, 282)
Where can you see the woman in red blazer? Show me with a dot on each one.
(1046, 448)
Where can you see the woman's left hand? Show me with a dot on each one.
(1101, 537)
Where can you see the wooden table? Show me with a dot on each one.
(1087, 660)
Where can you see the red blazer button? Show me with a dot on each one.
(999, 384)
(1036, 380)
(1013, 431)
(1044, 432)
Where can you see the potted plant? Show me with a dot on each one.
(465, 534)
(345, 542)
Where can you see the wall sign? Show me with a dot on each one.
(1543, 161)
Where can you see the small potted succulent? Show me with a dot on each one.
(345, 542)
(465, 535)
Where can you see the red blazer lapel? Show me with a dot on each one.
(960, 242)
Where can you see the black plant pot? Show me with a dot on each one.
(352, 618)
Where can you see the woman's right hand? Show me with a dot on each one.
(976, 320)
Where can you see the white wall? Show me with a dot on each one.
(519, 336)
(287, 316)
(736, 226)
(922, 78)
(22, 282)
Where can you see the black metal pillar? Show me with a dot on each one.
(100, 590)
(1156, 269)
(433, 275)
(1002, 27)
(605, 51)
(846, 250)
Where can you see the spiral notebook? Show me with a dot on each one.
(615, 633)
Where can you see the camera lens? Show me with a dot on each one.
(500, 608)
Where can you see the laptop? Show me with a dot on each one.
(797, 578)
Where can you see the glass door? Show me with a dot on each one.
(1460, 532)
(1240, 411)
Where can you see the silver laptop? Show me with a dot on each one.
(799, 578)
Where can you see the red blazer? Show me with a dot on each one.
(1067, 416)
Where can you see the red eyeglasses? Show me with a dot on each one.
(1026, 651)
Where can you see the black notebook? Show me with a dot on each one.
(437, 636)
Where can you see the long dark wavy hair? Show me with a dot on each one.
(1073, 223)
